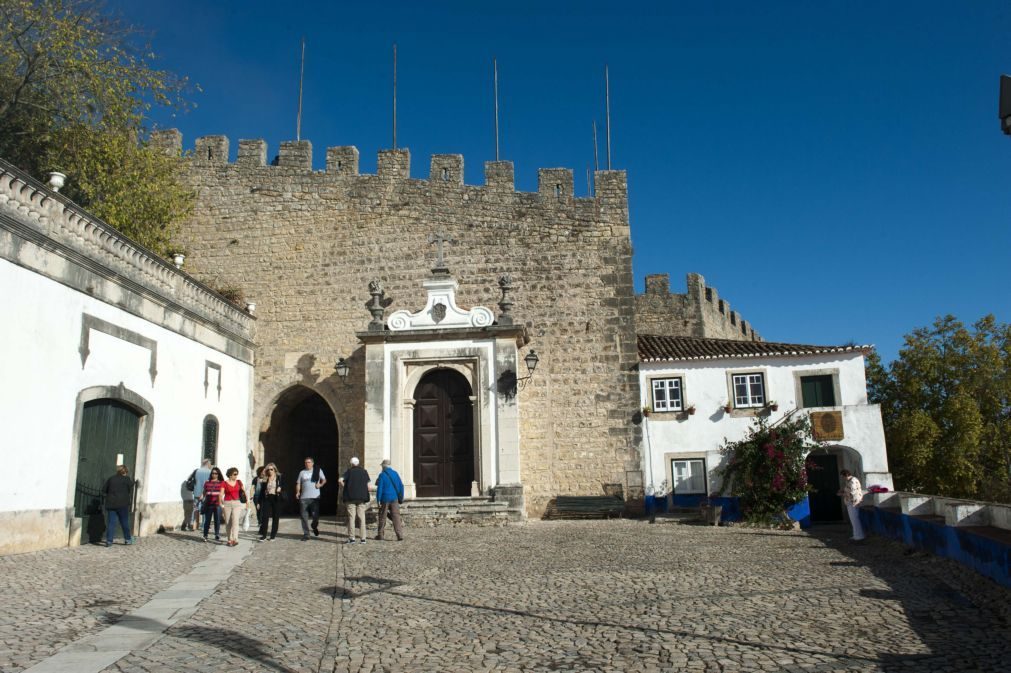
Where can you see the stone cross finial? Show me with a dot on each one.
(440, 261)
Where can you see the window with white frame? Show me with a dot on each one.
(667, 394)
(749, 390)
(689, 476)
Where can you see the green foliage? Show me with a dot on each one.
(946, 405)
(74, 96)
(767, 469)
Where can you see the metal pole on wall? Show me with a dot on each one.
(301, 77)
(394, 95)
(607, 104)
(494, 63)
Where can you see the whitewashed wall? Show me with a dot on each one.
(706, 386)
(43, 375)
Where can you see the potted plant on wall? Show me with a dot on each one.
(727, 408)
(690, 410)
(646, 411)
(772, 405)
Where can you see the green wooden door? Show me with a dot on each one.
(818, 391)
(108, 430)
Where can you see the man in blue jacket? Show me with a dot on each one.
(390, 495)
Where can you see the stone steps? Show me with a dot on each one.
(481, 510)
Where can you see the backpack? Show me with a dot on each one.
(191, 482)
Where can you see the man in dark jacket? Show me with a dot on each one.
(355, 483)
(389, 495)
(118, 493)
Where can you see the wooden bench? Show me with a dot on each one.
(585, 507)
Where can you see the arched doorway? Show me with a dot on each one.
(443, 435)
(108, 438)
(302, 424)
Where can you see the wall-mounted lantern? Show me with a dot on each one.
(178, 258)
(343, 369)
(250, 307)
(531, 361)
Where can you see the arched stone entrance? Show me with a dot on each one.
(443, 435)
(302, 424)
(827, 461)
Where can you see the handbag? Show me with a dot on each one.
(242, 494)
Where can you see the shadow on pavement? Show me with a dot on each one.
(960, 633)
(904, 662)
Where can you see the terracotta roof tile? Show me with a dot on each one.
(654, 348)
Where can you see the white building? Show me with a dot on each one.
(698, 393)
(111, 356)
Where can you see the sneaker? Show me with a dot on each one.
(315, 531)
(363, 541)
(350, 540)
(205, 538)
(270, 539)
(400, 538)
(379, 537)
(130, 541)
(262, 538)
(217, 538)
(305, 538)
(108, 544)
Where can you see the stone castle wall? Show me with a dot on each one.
(698, 313)
(304, 245)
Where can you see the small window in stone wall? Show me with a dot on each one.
(210, 451)
(668, 394)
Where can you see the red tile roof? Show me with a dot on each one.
(655, 348)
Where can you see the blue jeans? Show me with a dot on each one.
(214, 511)
(121, 513)
(307, 506)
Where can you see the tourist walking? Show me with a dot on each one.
(852, 494)
(233, 498)
(307, 486)
(390, 496)
(211, 502)
(188, 498)
(199, 477)
(118, 491)
(270, 497)
(257, 488)
(355, 483)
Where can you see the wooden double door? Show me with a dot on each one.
(443, 435)
(109, 432)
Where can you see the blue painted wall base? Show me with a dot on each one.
(985, 555)
(731, 507)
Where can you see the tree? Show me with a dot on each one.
(767, 469)
(74, 97)
(946, 406)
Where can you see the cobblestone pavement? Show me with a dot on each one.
(570, 596)
(54, 597)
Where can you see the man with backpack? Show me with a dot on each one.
(195, 484)
(307, 486)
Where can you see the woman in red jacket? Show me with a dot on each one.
(212, 503)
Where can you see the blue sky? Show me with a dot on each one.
(835, 169)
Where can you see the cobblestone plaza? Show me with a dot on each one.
(545, 596)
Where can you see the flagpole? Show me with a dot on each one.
(301, 77)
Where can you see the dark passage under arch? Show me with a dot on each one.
(302, 424)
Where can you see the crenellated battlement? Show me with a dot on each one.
(700, 312)
(555, 185)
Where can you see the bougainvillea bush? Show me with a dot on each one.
(767, 469)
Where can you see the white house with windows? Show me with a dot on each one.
(112, 356)
(698, 393)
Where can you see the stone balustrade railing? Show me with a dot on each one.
(954, 511)
(60, 218)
